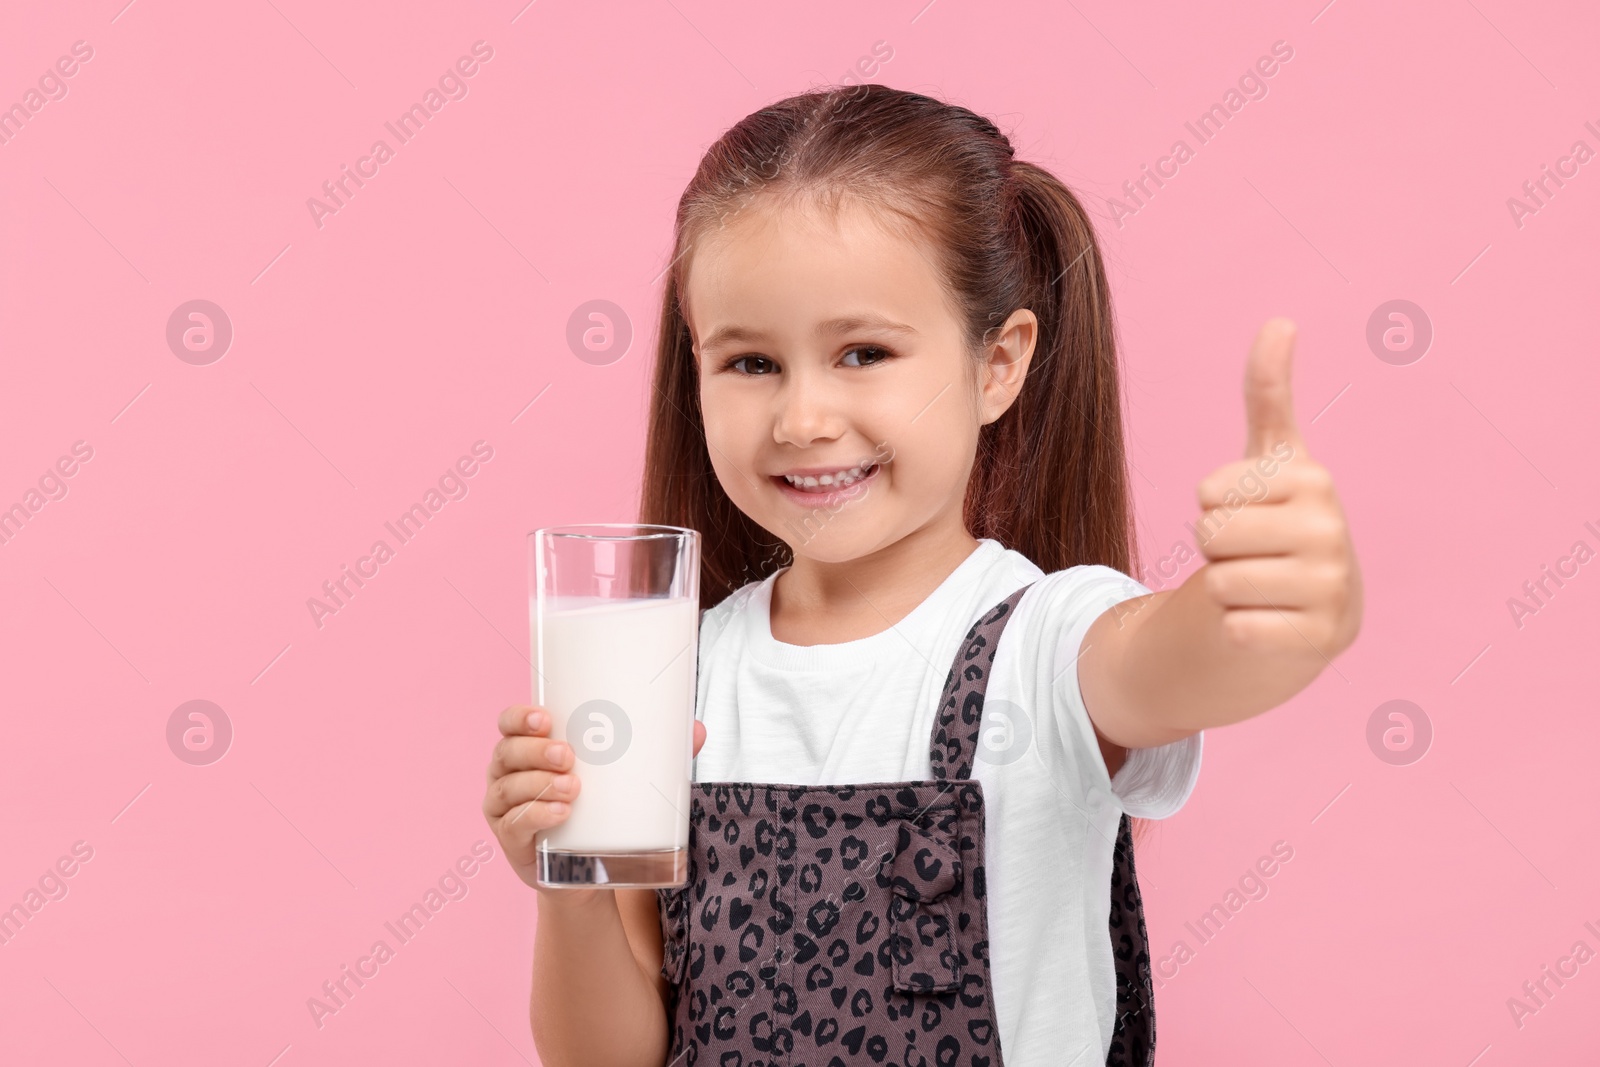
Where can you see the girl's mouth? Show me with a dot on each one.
(844, 486)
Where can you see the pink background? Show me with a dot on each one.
(428, 313)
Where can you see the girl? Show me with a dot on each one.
(886, 393)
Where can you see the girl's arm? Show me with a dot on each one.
(597, 1000)
(1278, 598)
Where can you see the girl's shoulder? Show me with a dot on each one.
(1074, 588)
(714, 620)
(1090, 581)
(1068, 600)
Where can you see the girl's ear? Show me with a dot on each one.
(1007, 351)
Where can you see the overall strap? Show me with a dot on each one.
(955, 725)
(1133, 1035)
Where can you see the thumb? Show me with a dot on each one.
(1268, 402)
(699, 736)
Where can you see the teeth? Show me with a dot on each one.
(838, 479)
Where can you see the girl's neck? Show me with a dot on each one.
(818, 603)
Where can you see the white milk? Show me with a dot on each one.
(640, 655)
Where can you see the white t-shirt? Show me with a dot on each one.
(862, 711)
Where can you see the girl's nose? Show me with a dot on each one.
(805, 413)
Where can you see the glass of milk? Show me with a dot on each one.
(615, 614)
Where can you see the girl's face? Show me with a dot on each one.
(826, 348)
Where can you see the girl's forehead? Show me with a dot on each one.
(806, 221)
(801, 263)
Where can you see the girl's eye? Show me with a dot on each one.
(733, 364)
(882, 353)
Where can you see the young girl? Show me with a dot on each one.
(886, 394)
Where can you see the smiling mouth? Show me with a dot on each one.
(843, 484)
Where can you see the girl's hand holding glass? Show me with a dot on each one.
(531, 785)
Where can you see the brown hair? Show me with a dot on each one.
(1050, 476)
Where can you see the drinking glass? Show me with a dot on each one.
(615, 614)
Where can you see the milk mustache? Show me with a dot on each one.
(618, 678)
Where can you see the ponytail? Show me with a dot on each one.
(1051, 477)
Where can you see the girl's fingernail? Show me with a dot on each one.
(536, 720)
(558, 752)
(558, 808)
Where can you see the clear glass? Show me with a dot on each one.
(615, 620)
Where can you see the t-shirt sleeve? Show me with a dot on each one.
(1152, 783)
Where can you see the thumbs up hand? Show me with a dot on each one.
(1280, 563)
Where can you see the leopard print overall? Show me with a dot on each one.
(831, 925)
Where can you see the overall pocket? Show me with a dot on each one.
(923, 874)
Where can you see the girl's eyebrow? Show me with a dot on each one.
(734, 334)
